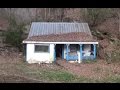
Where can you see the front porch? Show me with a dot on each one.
(77, 52)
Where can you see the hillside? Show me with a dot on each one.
(14, 27)
(104, 22)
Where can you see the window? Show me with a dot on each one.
(41, 48)
(73, 48)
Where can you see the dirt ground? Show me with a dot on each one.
(98, 70)
(13, 68)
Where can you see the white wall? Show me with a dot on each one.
(33, 57)
(39, 57)
(65, 52)
(52, 52)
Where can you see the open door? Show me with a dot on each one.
(59, 51)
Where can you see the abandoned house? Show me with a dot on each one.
(48, 41)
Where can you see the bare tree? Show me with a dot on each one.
(62, 14)
(98, 15)
(118, 13)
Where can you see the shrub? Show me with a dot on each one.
(14, 34)
(114, 55)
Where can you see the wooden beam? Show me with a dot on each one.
(54, 53)
(67, 51)
(60, 42)
(94, 51)
(81, 51)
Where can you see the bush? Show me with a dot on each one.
(14, 38)
(14, 35)
(114, 55)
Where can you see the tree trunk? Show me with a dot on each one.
(49, 14)
(86, 14)
(62, 14)
(45, 14)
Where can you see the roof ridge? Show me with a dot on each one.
(60, 22)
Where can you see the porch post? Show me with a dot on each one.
(94, 51)
(63, 52)
(80, 53)
(54, 53)
(67, 52)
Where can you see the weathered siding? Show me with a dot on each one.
(33, 57)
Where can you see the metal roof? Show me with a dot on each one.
(47, 28)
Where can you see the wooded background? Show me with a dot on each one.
(104, 23)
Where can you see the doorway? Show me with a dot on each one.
(59, 50)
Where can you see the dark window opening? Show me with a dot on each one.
(41, 48)
(92, 49)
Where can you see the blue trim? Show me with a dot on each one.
(54, 53)
(75, 57)
(80, 51)
(68, 48)
(62, 52)
(26, 52)
(94, 51)
(67, 52)
(64, 49)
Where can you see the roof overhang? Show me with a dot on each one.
(32, 42)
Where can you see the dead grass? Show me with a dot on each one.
(14, 69)
(99, 71)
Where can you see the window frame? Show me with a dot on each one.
(42, 45)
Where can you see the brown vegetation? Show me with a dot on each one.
(104, 24)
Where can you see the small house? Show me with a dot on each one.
(48, 41)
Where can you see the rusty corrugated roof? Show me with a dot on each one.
(68, 37)
(46, 28)
(59, 32)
